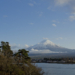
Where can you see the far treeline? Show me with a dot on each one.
(16, 64)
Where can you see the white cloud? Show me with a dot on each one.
(17, 47)
(62, 2)
(26, 46)
(72, 18)
(31, 4)
(54, 25)
(34, 49)
(70, 4)
(40, 51)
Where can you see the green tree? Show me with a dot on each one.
(6, 49)
(8, 65)
(8, 68)
(22, 54)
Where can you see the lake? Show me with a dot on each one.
(57, 69)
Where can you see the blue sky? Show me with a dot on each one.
(27, 22)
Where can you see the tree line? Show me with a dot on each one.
(18, 63)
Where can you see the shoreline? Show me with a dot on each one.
(55, 63)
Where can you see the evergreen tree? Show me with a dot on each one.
(23, 55)
(8, 65)
(6, 49)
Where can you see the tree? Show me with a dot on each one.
(6, 49)
(23, 55)
(8, 67)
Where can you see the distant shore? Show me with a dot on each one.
(54, 63)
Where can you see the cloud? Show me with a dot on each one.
(26, 46)
(31, 4)
(40, 51)
(72, 17)
(5, 16)
(62, 2)
(54, 25)
(17, 47)
(31, 23)
(34, 49)
(69, 3)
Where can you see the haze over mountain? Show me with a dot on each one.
(46, 46)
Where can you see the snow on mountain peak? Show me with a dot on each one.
(46, 46)
(48, 42)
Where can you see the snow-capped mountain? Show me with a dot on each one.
(47, 46)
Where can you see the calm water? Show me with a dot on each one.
(57, 69)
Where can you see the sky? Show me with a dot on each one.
(25, 23)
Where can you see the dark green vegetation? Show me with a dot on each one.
(19, 64)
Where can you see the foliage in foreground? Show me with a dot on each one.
(10, 66)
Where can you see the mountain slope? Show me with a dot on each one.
(47, 46)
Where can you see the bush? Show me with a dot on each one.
(7, 67)
(17, 65)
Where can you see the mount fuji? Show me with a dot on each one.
(46, 47)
